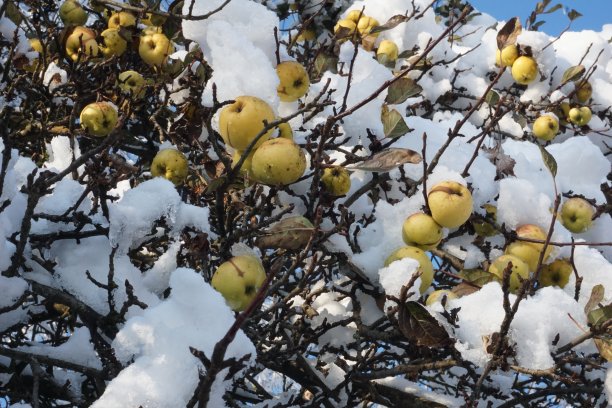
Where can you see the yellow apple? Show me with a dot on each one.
(525, 253)
(421, 257)
(450, 203)
(524, 70)
(99, 118)
(520, 270)
(387, 52)
(438, 295)
(278, 162)
(82, 40)
(285, 131)
(336, 180)
(344, 29)
(132, 83)
(155, 48)
(580, 116)
(529, 252)
(556, 273)
(584, 90)
(170, 164)
(354, 15)
(294, 81)
(72, 13)
(577, 214)
(366, 24)
(114, 43)
(121, 19)
(307, 35)
(422, 231)
(507, 56)
(238, 280)
(241, 121)
(546, 127)
(245, 169)
(29, 64)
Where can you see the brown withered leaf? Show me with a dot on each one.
(420, 327)
(508, 33)
(604, 345)
(401, 90)
(597, 295)
(478, 276)
(464, 289)
(289, 233)
(391, 23)
(387, 160)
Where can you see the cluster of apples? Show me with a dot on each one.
(451, 206)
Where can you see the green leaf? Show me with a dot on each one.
(387, 160)
(492, 98)
(572, 74)
(600, 315)
(604, 345)
(508, 33)
(401, 90)
(289, 233)
(406, 54)
(478, 276)
(549, 161)
(597, 295)
(325, 62)
(420, 327)
(391, 23)
(553, 8)
(393, 123)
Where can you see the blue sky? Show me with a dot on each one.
(595, 13)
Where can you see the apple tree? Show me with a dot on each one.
(298, 203)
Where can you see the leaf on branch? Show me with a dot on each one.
(324, 63)
(600, 315)
(289, 233)
(553, 8)
(509, 33)
(406, 54)
(387, 160)
(420, 327)
(391, 23)
(597, 295)
(549, 161)
(573, 74)
(492, 98)
(464, 289)
(573, 14)
(393, 123)
(478, 276)
(401, 90)
(604, 345)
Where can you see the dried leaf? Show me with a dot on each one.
(572, 74)
(464, 289)
(549, 161)
(406, 54)
(420, 327)
(13, 13)
(401, 90)
(289, 233)
(573, 14)
(368, 42)
(393, 123)
(324, 63)
(604, 345)
(600, 315)
(553, 8)
(478, 276)
(215, 184)
(387, 160)
(391, 23)
(504, 164)
(508, 33)
(597, 295)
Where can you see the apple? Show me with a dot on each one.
(306, 35)
(520, 270)
(155, 48)
(584, 90)
(421, 257)
(524, 70)
(438, 295)
(336, 180)
(241, 121)
(294, 81)
(580, 116)
(121, 19)
(99, 118)
(238, 280)
(344, 29)
(72, 13)
(285, 131)
(132, 83)
(82, 40)
(245, 169)
(154, 20)
(556, 273)
(354, 15)
(577, 214)
(450, 203)
(278, 162)
(422, 231)
(507, 56)
(170, 164)
(529, 252)
(366, 24)
(114, 43)
(31, 61)
(546, 127)
(387, 52)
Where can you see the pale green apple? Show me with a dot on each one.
(507, 56)
(170, 164)
(154, 48)
(584, 91)
(72, 13)
(519, 271)
(577, 214)
(546, 127)
(294, 81)
(241, 121)
(239, 280)
(422, 231)
(278, 162)
(421, 257)
(556, 273)
(524, 70)
(387, 52)
(285, 131)
(438, 295)
(580, 116)
(132, 83)
(121, 19)
(81, 42)
(450, 203)
(336, 180)
(113, 43)
(99, 118)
